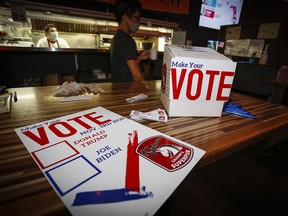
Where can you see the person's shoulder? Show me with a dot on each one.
(43, 39)
(123, 37)
(63, 43)
(61, 39)
(42, 42)
(121, 33)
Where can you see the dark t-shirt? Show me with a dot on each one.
(123, 48)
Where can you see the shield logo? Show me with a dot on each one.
(165, 152)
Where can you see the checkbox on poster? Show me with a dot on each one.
(54, 154)
(70, 175)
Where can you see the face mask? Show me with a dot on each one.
(134, 27)
(53, 36)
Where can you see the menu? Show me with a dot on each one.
(269, 30)
(233, 32)
(101, 163)
(244, 47)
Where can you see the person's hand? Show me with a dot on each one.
(144, 55)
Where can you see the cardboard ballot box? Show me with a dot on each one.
(196, 81)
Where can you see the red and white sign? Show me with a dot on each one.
(196, 81)
(209, 13)
(100, 163)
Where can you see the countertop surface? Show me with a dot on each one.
(25, 190)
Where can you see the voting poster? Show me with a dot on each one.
(101, 163)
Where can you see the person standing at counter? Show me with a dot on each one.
(123, 52)
(52, 40)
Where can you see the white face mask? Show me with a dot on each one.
(134, 26)
(53, 36)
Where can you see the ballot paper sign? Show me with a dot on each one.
(101, 163)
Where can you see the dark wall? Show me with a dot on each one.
(263, 11)
(252, 78)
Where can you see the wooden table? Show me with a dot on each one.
(24, 190)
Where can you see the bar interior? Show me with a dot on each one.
(204, 132)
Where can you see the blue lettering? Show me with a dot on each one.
(107, 154)
(179, 64)
(88, 131)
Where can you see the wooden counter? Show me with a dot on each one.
(25, 190)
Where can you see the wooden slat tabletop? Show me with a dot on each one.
(24, 190)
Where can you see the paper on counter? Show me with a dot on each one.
(74, 88)
(136, 98)
(75, 98)
(154, 115)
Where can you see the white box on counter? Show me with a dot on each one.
(196, 81)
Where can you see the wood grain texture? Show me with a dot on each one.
(24, 190)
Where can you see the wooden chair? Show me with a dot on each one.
(280, 90)
(52, 78)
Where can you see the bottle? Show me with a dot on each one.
(252, 59)
(264, 56)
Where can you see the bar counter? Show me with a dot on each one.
(56, 50)
(24, 189)
(31, 63)
(25, 63)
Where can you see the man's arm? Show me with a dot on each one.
(143, 56)
(135, 70)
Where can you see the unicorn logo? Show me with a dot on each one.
(169, 150)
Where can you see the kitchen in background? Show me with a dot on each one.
(79, 31)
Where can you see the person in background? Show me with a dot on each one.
(52, 40)
(123, 51)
